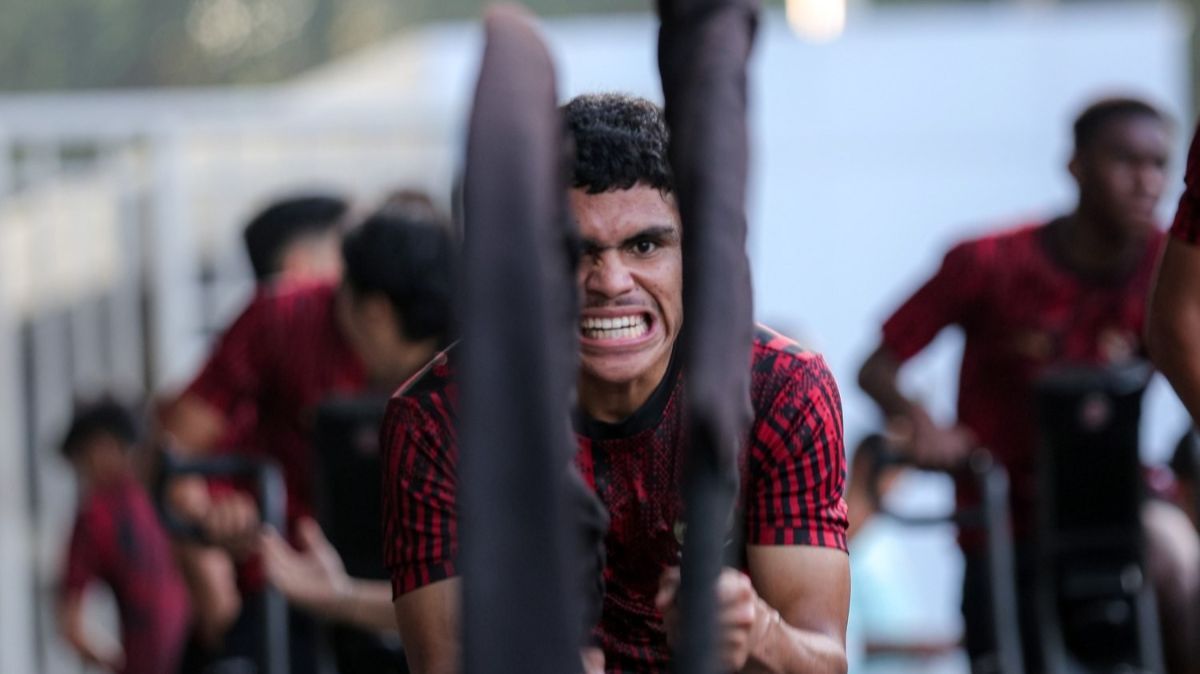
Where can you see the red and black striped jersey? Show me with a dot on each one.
(117, 539)
(281, 358)
(792, 477)
(1186, 227)
(1023, 310)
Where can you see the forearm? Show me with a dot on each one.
(365, 603)
(212, 586)
(1174, 323)
(1179, 359)
(192, 426)
(878, 379)
(784, 649)
(71, 626)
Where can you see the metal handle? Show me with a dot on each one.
(991, 515)
(272, 502)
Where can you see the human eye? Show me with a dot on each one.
(643, 247)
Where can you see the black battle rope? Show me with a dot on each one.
(702, 53)
(521, 605)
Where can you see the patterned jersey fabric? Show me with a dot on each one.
(117, 540)
(1023, 310)
(792, 475)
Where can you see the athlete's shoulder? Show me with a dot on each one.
(425, 404)
(780, 362)
(1001, 241)
(434, 378)
(290, 296)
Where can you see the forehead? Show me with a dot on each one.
(610, 217)
(1142, 134)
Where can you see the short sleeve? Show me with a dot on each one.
(1186, 227)
(420, 515)
(797, 472)
(85, 555)
(946, 299)
(234, 370)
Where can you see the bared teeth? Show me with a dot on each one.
(620, 327)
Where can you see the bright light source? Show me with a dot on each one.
(817, 20)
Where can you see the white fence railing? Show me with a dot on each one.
(103, 242)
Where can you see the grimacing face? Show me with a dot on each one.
(630, 280)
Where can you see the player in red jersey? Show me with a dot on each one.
(1070, 291)
(785, 610)
(1174, 330)
(117, 540)
(293, 347)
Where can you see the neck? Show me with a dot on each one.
(611, 402)
(104, 479)
(407, 359)
(404, 358)
(1087, 246)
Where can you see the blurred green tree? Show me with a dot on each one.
(80, 44)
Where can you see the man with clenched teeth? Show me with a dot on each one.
(784, 609)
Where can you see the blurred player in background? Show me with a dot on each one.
(117, 540)
(1068, 291)
(293, 347)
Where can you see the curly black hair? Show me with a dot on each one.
(620, 141)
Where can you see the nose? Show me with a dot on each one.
(606, 275)
(1151, 179)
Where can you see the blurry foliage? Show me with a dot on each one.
(75, 44)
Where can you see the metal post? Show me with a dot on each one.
(993, 482)
(176, 343)
(17, 643)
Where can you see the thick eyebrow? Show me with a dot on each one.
(661, 233)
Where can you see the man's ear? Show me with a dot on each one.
(379, 312)
(1074, 168)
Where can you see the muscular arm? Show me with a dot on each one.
(1174, 322)
(212, 584)
(429, 627)
(810, 589)
(193, 425)
(878, 377)
(314, 577)
(71, 626)
(912, 429)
